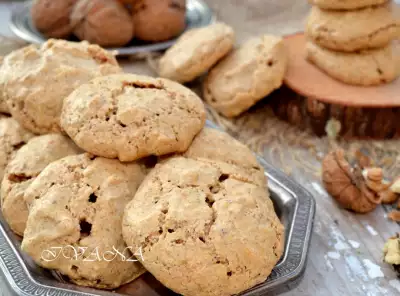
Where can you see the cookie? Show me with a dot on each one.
(247, 75)
(52, 17)
(130, 116)
(196, 51)
(76, 205)
(3, 103)
(158, 20)
(345, 4)
(201, 231)
(12, 138)
(236, 159)
(102, 22)
(371, 27)
(368, 67)
(22, 170)
(38, 79)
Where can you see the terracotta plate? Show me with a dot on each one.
(307, 80)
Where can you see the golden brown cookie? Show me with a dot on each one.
(346, 4)
(196, 51)
(12, 138)
(130, 116)
(52, 17)
(368, 67)
(76, 205)
(3, 103)
(247, 75)
(38, 79)
(236, 159)
(26, 165)
(202, 231)
(371, 27)
(103, 22)
(159, 20)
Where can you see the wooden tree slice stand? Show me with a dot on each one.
(366, 112)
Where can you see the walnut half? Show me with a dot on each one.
(347, 184)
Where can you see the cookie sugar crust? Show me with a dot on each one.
(203, 232)
(130, 116)
(78, 201)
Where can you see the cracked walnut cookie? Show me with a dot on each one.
(349, 31)
(202, 231)
(235, 158)
(77, 204)
(130, 116)
(39, 78)
(22, 170)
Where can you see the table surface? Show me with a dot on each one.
(346, 249)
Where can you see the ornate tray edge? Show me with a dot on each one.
(288, 271)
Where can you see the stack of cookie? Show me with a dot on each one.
(352, 40)
(106, 166)
(238, 78)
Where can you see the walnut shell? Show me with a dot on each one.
(347, 185)
(103, 22)
(159, 20)
(51, 17)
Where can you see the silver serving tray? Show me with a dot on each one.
(294, 205)
(198, 14)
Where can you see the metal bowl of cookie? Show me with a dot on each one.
(198, 14)
(294, 206)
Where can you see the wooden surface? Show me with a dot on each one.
(355, 122)
(346, 249)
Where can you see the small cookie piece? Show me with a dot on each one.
(26, 165)
(130, 116)
(247, 75)
(366, 68)
(38, 79)
(12, 137)
(201, 231)
(51, 17)
(196, 51)
(346, 4)
(159, 20)
(368, 28)
(236, 159)
(103, 22)
(76, 205)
